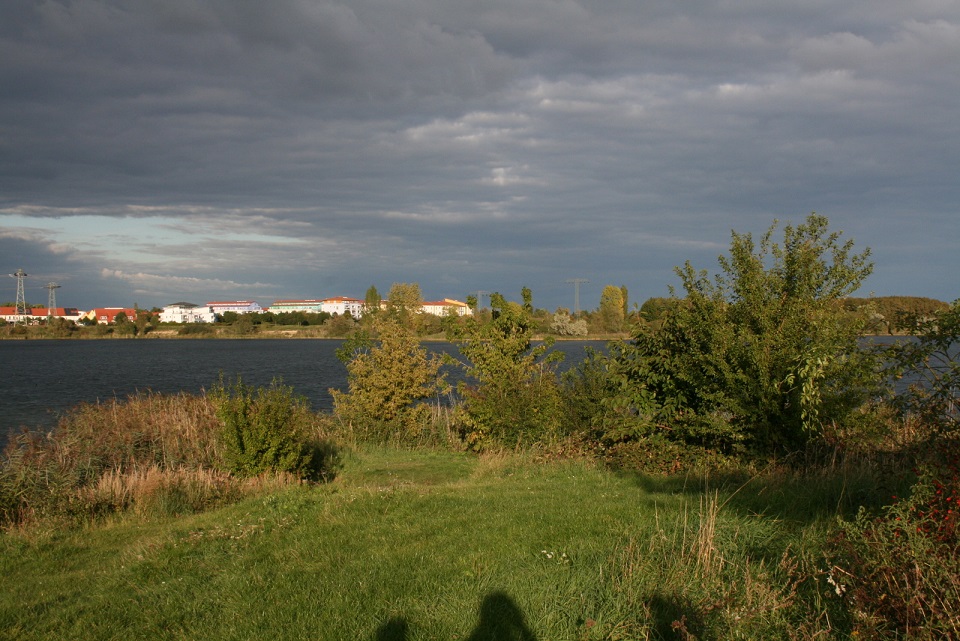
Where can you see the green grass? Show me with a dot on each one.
(437, 545)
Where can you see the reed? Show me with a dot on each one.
(147, 454)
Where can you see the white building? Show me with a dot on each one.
(447, 307)
(37, 314)
(238, 306)
(310, 306)
(341, 305)
(187, 313)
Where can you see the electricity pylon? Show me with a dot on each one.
(21, 299)
(51, 299)
(576, 293)
(480, 294)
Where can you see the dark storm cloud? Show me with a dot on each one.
(307, 148)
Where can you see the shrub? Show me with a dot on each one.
(195, 329)
(267, 430)
(900, 570)
(584, 386)
(388, 381)
(659, 454)
(762, 356)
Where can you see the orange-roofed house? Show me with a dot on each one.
(107, 315)
(447, 307)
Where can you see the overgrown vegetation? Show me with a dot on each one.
(160, 454)
(762, 485)
(899, 567)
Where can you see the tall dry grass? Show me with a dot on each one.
(148, 454)
(696, 576)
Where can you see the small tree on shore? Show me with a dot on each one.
(511, 395)
(388, 379)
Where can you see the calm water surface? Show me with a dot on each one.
(42, 379)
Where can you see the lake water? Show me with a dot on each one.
(42, 379)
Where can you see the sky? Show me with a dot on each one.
(156, 151)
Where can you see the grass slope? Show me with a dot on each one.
(424, 545)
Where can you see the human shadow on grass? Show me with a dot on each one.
(500, 620)
(393, 630)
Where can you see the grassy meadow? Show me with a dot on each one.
(423, 544)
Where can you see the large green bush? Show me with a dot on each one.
(267, 430)
(760, 357)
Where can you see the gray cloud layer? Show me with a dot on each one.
(305, 148)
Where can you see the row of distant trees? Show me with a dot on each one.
(882, 315)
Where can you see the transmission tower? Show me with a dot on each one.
(576, 293)
(51, 299)
(21, 299)
(480, 294)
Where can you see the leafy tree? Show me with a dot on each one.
(526, 294)
(611, 308)
(123, 325)
(387, 379)
(61, 327)
(340, 325)
(896, 314)
(244, 325)
(626, 301)
(371, 302)
(511, 394)
(430, 325)
(762, 355)
(144, 322)
(654, 309)
(405, 303)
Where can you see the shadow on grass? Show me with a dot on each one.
(393, 630)
(802, 496)
(500, 620)
(670, 620)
